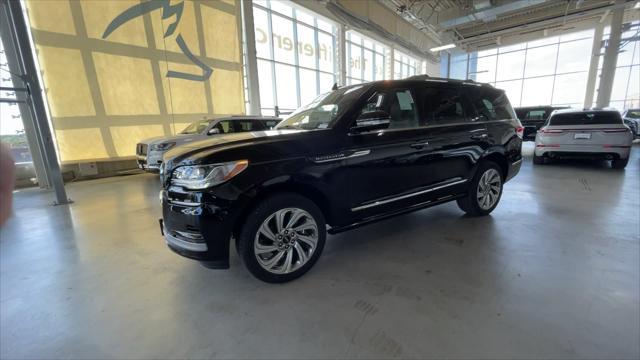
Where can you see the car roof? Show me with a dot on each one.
(245, 117)
(540, 107)
(417, 79)
(584, 111)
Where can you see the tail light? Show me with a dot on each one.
(551, 131)
(616, 130)
(520, 131)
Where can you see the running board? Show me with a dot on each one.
(376, 218)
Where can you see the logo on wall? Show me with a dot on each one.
(168, 11)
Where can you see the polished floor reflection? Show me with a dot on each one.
(554, 273)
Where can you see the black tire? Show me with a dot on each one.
(263, 211)
(619, 163)
(539, 160)
(470, 204)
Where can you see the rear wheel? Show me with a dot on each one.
(620, 163)
(539, 160)
(484, 192)
(282, 238)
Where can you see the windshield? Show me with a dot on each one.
(634, 114)
(323, 110)
(586, 118)
(196, 127)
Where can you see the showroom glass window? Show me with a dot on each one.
(295, 53)
(366, 59)
(405, 65)
(625, 93)
(551, 70)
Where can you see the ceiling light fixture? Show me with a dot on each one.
(443, 47)
(637, 5)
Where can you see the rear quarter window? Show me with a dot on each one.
(600, 118)
(492, 104)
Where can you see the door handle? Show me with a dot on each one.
(420, 145)
(479, 136)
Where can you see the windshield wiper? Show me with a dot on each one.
(287, 127)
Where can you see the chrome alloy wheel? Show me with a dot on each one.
(286, 240)
(489, 188)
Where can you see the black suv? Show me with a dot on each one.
(533, 117)
(355, 155)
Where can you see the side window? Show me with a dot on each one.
(536, 115)
(258, 125)
(270, 124)
(395, 106)
(443, 106)
(492, 104)
(225, 127)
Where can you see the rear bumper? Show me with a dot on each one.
(583, 151)
(514, 169)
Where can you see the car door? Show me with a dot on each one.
(457, 136)
(384, 168)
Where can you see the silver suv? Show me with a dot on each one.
(149, 151)
(592, 134)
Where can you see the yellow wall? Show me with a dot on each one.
(107, 94)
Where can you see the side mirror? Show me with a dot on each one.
(213, 131)
(371, 120)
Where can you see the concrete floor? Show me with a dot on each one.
(553, 273)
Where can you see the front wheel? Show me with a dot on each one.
(484, 191)
(620, 163)
(282, 238)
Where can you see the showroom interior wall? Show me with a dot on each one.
(116, 72)
(298, 49)
(552, 70)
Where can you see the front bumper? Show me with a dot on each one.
(199, 225)
(151, 161)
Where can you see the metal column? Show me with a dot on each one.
(18, 32)
(342, 55)
(22, 95)
(610, 58)
(253, 83)
(593, 66)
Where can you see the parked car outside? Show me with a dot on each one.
(533, 117)
(631, 118)
(353, 156)
(590, 134)
(149, 151)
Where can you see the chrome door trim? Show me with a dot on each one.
(406, 196)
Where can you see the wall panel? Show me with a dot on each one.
(116, 72)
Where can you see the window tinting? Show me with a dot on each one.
(586, 118)
(399, 106)
(197, 127)
(492, 104)
(442, 105)
(535, 115)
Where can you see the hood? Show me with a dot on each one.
(220, 142)
(163, 139)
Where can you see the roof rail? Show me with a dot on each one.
(418, 77)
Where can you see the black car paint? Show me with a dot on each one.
(328, 167)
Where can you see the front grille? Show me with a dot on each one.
(141, 149)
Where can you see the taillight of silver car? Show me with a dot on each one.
(550, 131)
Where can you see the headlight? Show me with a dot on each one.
(204, 176)
(163, 146)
